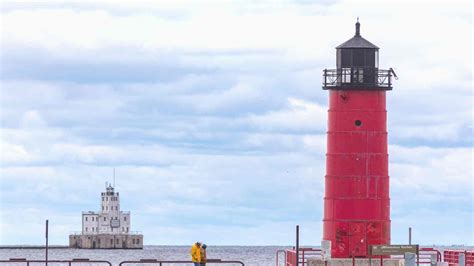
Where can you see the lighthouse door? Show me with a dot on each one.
(357, 244)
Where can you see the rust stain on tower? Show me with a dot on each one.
(356, 201)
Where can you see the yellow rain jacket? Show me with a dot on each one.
(196, 253)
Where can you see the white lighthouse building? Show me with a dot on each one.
(108, 228)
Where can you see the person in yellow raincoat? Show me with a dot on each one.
(196, 253)
(203, 254)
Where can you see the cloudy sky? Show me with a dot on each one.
(213, 116)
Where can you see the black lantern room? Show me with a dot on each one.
(357, 63)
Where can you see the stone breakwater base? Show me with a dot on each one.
(358, 262)
(106, 241)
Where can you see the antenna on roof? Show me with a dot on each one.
(357, 27)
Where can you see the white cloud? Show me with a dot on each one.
(427, 170)
(300, 115)
(216, 110)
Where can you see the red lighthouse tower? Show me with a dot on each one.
(356, 201)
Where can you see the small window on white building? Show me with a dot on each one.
(86, 229)
(105, 218)
(125, 218)
(106, 208)
(123, 229)
(86, 218)
(127, 229)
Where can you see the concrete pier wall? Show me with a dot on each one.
(106, 241)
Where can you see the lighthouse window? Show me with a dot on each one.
(105, 218)
(358, 123)
(358, 75)
(86, 218)
(346, 75)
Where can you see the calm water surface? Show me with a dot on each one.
(250, 255)
(264, 255)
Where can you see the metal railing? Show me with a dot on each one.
(79, 233)
(161, 262)
(26, 262)
(358, 78)
(277, 256)
(98, 212)
(23, 261)
(424, 256)
(424, 252)
(452, 256)
(304, 254)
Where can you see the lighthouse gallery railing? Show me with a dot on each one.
(358, 78)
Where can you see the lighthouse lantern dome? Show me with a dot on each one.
(357, 66)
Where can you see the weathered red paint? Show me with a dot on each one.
(356, 202)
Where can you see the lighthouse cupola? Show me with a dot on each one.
(357, 62)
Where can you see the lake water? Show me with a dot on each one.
(255, 255)
(250, 255)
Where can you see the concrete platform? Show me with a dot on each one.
(358, 262)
